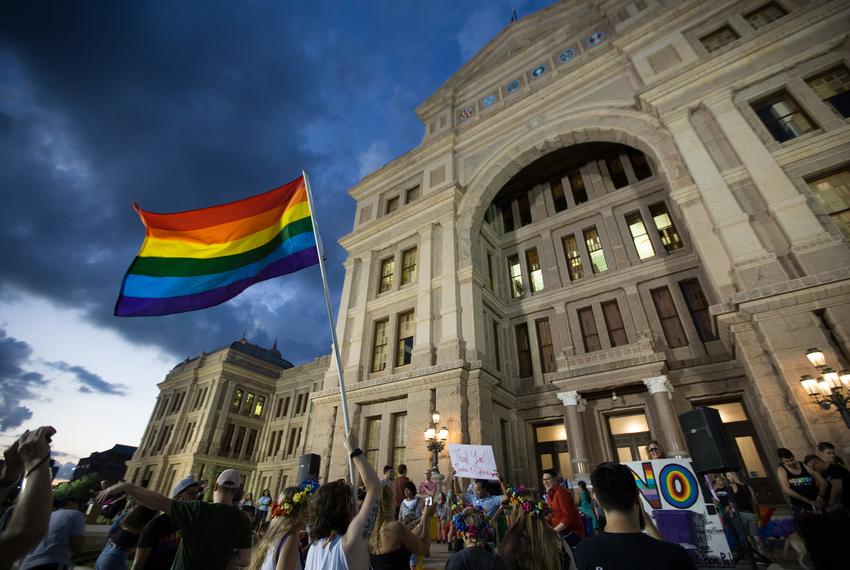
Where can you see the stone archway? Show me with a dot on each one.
(623, 126)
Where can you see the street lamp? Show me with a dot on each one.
(436, 440)
(830, 388)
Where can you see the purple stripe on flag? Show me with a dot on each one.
(145, 307)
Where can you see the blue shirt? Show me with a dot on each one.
(56, 546)
(489, 504)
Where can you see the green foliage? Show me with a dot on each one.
(79, 490)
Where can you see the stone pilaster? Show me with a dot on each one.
(423, 348)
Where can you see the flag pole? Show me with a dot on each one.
(321, 250)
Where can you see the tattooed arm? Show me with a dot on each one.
(364, 521)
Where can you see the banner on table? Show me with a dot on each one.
(473, 461)
(682, 511)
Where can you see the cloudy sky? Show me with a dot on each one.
(178, 106)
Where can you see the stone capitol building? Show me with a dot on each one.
(619, 211)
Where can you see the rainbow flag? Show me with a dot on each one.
(200, 258)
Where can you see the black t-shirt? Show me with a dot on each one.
(837, 472)
(211, 532)
(632, 551)
(474, 558)
(162, 536)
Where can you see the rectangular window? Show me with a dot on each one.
(304, 403)
(577, 187)
(515, 276)
(258, 407)
(833, 87)
(278, 440)
(573, 257)
(523, 348)
(594, 249)
(240, 437)
(640, 164)
(833, 193)
(719, 38)
(535, 274)
(379, 345)
(547, 349)
(556, 187)
(643, 245)
(399, 439)
(408, 266)
(698, 308)
(763, 16)
(614, 323)
(496, 350)
(617, 172)
(392, 205)
(373, 440)
(507, 217)
(224, 444)
(252, 441)
(290, 447)
(277, 407)
(404, 347)
(271, 444)
(589, 332)
(249, 403)
(297, 409)
(669, 317)
(524, 207)
(664, 225)
(783, 117)
(387, 269)
(411, 194)
(237, 399)
(285, 407)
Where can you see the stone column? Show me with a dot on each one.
(451, 344)
(575, 435)
(671, 434)
(423, 345)
(358, 296)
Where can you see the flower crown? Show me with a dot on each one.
(470, 531)
(305, 490)
(517, 496)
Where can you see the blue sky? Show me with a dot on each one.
(179, 106)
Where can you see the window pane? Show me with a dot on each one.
(406, 328)
(589, 332)
(399, 439)
(577, 187)
(664, 224)
(554, 432)
(640, 165)
(624, 425)
(523, 347)
(556, 187)
(614, 323)
(573, 257)
(508, 217)
(763, 16)
(783, 117)
(546, 461)
(524, 210)
(669, 317)
(624, 454)
(716, 40)
(547, 350)
(565, 465)
(496, 349)
(515, 276)
(698, 307)
(411, 194)
(387, 268)
(833, 193)
(249, 402)
(616, 171)
(833, 87)
(750, 455)
(261, 403)
(392, 205)
(643, 245)
(379, 346)
(373, 439)
(730, 412)
(408, 266)
(535, 274)
(594, 249)
(237, 400)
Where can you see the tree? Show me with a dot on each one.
(79, 491)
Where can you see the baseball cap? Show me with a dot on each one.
(182, 485)
(229, 478)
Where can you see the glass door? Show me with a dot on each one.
(551, 449)
(629, 436)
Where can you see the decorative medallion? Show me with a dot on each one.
(466, 113)
(595, 38)
(488, 101)
(567, 55)
(538, 71)
(512, 86)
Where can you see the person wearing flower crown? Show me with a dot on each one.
(279, 549)
(474, 526)
(530, 543)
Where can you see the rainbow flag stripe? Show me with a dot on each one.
(200, 258)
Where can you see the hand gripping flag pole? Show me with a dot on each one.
(345, 418)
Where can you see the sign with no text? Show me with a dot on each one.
(473, 461)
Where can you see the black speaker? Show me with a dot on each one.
(308, 467)
(712, 450)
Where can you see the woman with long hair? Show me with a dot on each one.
(587, 509)
(123, 538)
(410, 510)
(280, 549)
(339, 537)
(391, 544)
(530, 543)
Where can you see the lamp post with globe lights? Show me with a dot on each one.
(436, 442)
(829, 388)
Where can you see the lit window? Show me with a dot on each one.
(524, 210)
(833, 193)
(523, 347)
(408, 266)
(616, 171)
(589, 332)
(556, 187)
(783, 117)
(763, 16)
(411, 194)
(698, 308)
(535, 274)
(258, 408)
(387, 268)
(249, 403)
(404, 347)
(392, 205)
(664, 224)
(833, 87)
(577, 187)
(573, 257)
(594, 249)
(515, 276)
(507, 217)
(719, 38)
(614, 323)
(379, 346)
(237, 399)
(643, 245)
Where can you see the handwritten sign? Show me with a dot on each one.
(473, 461)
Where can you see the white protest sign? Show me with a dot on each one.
(671, 492)
(473, 461)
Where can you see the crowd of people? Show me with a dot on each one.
(313, 526)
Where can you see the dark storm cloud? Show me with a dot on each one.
(16, 383)
(89, 381)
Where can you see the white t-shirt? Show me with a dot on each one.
(56, 546)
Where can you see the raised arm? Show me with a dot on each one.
(146, 497)
(363, 522)
(419, 540)
(13, 468)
